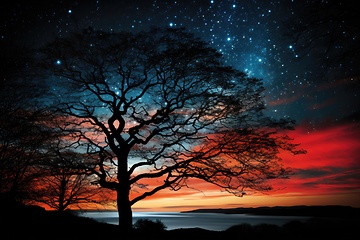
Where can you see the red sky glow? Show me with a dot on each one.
(326, 175)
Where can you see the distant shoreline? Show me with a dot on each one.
(300, 210)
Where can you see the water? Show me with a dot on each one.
(210, 221)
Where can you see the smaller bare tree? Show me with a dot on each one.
(23, 125)
(65, 186)
(328, 31)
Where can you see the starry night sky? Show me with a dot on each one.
(250, 34)
(253, 37)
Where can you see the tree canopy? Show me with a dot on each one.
(162, 104)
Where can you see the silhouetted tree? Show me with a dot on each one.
(23, 124)
(327, 31)
(64, 186)
(162, 105)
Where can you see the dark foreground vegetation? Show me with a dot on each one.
(24, 222)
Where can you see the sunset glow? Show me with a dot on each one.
(326, 175)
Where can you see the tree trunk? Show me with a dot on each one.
(123, 193)
(124, 210)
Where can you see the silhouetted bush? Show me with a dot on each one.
(264, 231)
(149, 226)
(244, 230)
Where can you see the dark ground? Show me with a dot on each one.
(21, 222)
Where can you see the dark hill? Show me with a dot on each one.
(311, 211)
(33, 222)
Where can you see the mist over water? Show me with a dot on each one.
(210, 221)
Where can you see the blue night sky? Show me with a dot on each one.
(250, 34)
